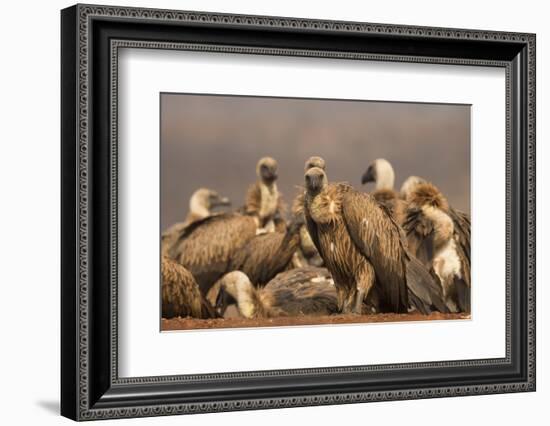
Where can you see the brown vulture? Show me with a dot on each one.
(381, 173)
(307, 253)
(263, 199)
(363, 247)
(201, 204)
(265, 255)
(439, 236)
(181, 296)
(206, 246)
(300, 291)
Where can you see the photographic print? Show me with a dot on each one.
(294, 211)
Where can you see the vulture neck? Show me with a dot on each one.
(199, 207)
(385, 177)
(269, 199)
(247, 300)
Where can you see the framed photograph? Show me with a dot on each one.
(263, 212)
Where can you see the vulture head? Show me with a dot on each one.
(380, 172)
(266, 169)
(316, 180)
(236, 287)
(409, 185)
(203, 200)
(427, 194)
(314, 162)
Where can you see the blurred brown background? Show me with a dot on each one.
(215, 142)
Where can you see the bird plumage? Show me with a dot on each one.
(181, 296)
(265, 255)
(439, 236)
(206, 246)
(201, 204)
(300, 291)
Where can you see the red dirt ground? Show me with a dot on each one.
(193, 324)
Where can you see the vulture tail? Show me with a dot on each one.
(425, 290)
(462, 295)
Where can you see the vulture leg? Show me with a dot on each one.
(365, 283)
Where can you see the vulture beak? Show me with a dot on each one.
(314, 179)
(220, 302)
(368, 176)
(268, 174)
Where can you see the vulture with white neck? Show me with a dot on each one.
(201, 204)
(439, 236)
(364, 248)
(381, 173)
(263, 199)
(300, 291)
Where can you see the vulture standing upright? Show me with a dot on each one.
(439, 236)
(206, 246)
(381, 173)
(300, 291)
(363, 247)
(307, 253)
(263, 199)
(201, 204)
(181, 296)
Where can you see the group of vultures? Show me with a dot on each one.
(339, 251)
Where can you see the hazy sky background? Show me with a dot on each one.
(216, 141)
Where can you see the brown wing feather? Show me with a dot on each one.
(378, 238)
(420, 235)
(302, 291)
(180, 292)
(461, 223)
(206, 247)
(264, 256)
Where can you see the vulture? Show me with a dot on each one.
(265, 255)
(206, 246)
(181, 296)
(439, 236)
(263, 199)
(201, 204)
(381, 173)
(409, 185)
(364, 248)
(300, 291)
(307, 253)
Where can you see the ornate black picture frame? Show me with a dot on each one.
(91, 36)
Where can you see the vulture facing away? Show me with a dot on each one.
(363, 247)
(300, 291)
(201, 204)
(381, 173)
(263, 199)
(181, 296)
(207, 246)
(439, 236)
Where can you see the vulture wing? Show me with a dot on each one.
(425, 292)
(379, 239)
(312, 230)
(206, 246)
(420, 235)
(462, 237)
